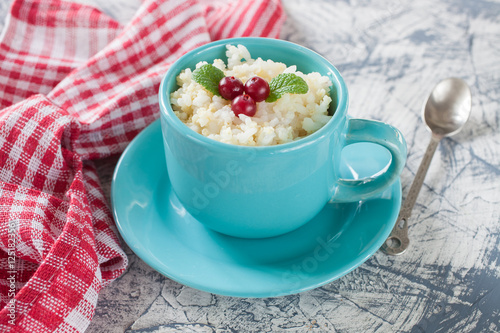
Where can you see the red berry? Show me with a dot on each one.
(257, 88)
(230, 87)
(244, 104)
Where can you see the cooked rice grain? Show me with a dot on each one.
(291, 117)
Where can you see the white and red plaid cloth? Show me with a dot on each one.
(75, 85)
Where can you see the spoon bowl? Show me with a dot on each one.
(448, 107)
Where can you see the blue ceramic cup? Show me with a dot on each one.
(256, 192)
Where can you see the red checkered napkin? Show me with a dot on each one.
(76, 86)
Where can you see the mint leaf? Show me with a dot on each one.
(286, 83)
(208, 76)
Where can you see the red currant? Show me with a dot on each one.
(244, 104)
(257, 88)
(230, 87)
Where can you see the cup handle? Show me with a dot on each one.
(363, 130)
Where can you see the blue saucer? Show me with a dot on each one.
(158, 229)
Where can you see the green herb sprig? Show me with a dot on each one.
(209, 77)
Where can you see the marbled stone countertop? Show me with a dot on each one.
(391, 53)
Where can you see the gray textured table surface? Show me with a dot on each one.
(391, 53)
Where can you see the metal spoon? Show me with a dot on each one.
(445, 113)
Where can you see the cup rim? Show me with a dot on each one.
(168, 114)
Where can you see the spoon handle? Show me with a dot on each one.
(398, 240)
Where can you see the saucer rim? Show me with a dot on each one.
(155, 264)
